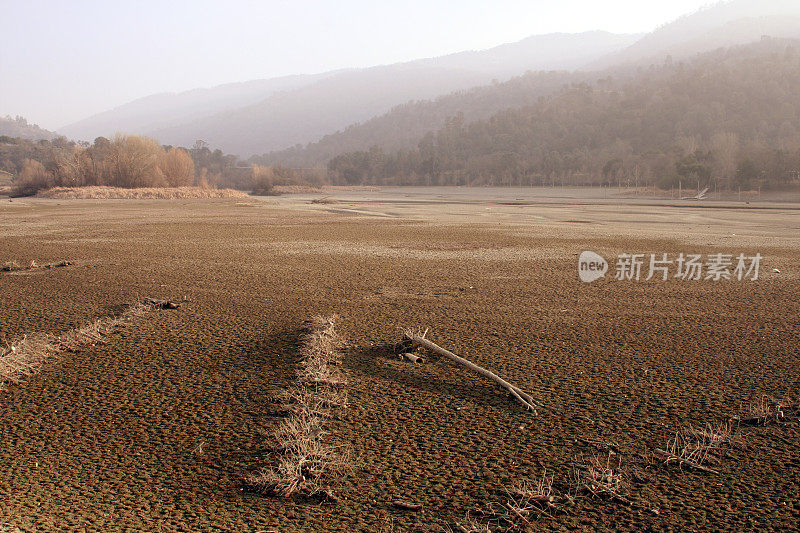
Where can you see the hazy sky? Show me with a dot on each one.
(62, 60)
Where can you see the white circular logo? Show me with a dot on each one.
(591, 267)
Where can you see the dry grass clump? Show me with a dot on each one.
(601, 478)
(320, 357)
(26, 356)
(526, 501)
(765, 412)
(472, 525)
(527, 497)
(144, 193)
(319, 400)
(696, 447)
(14, 266)
(307, 464)
(11, 266)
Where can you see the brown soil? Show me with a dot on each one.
(106, 438)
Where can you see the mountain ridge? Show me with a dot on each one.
(436, 76)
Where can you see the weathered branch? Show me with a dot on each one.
(161, 304)
(412, 358)
(411, 339)
(408, 506)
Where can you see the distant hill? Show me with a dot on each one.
(147, 114)
(258, 117)
(728, 118)
(719, 25)
(555, 51)
(306, 120)
(19, 127)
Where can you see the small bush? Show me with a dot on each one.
(32, 179)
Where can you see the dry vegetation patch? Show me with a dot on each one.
(14, 266)
(766, 412)
(696, 447)
(25, 357)
(149, 193)
(307, 464)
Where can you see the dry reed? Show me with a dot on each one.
(149, 193)
(25, 357)
(696, 447)
(307, 464)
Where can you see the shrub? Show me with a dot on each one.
(33, 178)
(177, 167)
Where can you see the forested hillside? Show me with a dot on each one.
(403, 126)
(19, 127)
(729, 118)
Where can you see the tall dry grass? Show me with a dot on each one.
(308, 463)
(154, 193)
(25, 357)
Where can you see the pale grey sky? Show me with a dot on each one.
(61, 61)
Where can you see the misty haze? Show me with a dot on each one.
(352, 266)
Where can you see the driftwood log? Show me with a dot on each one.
(412, 357)
(161, 304)
(407, 506)
(412, 341)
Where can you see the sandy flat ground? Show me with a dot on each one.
(102, 438)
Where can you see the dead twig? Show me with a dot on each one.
(407, 506)
(601, 478)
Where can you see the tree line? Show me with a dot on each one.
(132, 161)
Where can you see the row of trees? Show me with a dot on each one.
(131, 161)
(126, 161)
(729, 119)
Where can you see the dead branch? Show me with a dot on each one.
(408, 506)
(161, 304)
(413, 339)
